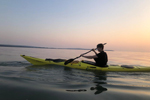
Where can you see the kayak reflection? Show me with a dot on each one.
(100, 78)
(78, 90)
(99, 89)
(71, 80)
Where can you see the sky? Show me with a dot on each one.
(122, 24)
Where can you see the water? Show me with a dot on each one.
(19, 80)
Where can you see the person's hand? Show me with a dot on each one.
(93, 50)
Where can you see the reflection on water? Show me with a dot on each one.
(57, 82)
(70, 76)
(79, 90)
(101, 78)
(79, 81)
(99, 89)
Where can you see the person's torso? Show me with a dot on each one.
(102, 59)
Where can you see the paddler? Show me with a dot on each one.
(100, 58)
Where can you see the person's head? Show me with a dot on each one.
(100, 47)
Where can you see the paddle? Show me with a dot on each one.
(70, 60)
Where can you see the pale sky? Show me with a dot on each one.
(122, 24)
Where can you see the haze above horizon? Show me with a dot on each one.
(122, 24)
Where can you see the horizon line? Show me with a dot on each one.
(26, 46)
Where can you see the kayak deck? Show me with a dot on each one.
(86, 66)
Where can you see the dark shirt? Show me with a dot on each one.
(102, 59)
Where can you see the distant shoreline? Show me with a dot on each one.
(23, 46)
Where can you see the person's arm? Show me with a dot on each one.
(90, 57)
(94, 51)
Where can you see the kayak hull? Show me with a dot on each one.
(85, 66)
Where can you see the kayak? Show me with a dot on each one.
(86, 65)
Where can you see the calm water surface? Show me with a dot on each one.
(19, 80)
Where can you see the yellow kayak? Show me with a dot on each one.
(86, 65)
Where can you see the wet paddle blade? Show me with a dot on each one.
(68, 61)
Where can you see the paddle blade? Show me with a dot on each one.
(68, 61)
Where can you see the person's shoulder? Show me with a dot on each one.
(98, 54)
(103, 52)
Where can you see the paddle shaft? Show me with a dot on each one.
(82, 54)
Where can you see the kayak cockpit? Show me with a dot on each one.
(55, 60)
(92, 63)
(88, 62)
